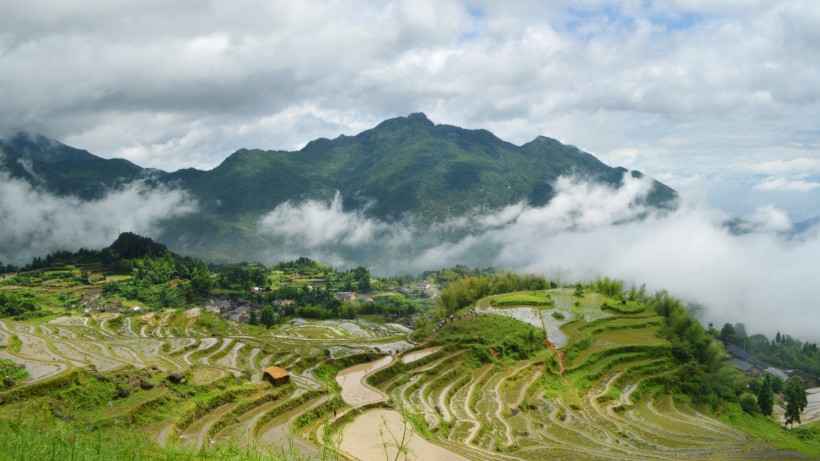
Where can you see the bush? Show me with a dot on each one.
(749, 404)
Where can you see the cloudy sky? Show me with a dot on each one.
(718, 98)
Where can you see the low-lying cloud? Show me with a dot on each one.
(35, 223)
(589, 230)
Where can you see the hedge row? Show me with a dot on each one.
(43, 387)
(203, 407)
(228, 418)
(380, 376)
(284, 408)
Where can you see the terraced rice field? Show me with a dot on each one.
(584, 399)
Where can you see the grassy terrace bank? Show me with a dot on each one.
(492, 389)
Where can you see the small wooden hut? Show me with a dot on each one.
(277, 376)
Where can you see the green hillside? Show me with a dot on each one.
(406, 166)
(186, 384)
(64, 170)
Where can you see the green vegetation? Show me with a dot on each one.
(465, 292)
(636, 377)
(11, 372)
(796, 400)
(522, 299)
(704, 374)
(492, 337)
(783, 350)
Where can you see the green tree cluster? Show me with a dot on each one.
(704, 374)
(765, 397)
(466, 291)
(794, 393)
(784, 350)
(19, 306)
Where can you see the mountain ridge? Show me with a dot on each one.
(403, 167)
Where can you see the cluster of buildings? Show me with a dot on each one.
(753, 367)
(93, 301)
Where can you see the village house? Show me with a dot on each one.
(423, 287)
(808, 378)
(91, 296)
(277, 376)
(345, 296)
(283, 302)
(217, 306)
(748, 369)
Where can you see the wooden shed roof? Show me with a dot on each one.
(276, 372)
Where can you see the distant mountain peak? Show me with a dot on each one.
(36, 147)
(417, 119)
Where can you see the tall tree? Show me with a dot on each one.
(268, 316)
(796, 399)
(727, 333)
(201, 281)
(765, 397)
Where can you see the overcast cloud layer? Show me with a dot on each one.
(35, 223)
(761, 278)
(717, 98)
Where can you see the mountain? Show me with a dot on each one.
(404, 167)
(64, 170)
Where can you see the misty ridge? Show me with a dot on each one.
(763, 275)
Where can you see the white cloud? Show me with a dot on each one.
(784, 184)
(35, 223)
(770, 218)
(589, 230)
(673, 87)
(801, 165)
(314, 223)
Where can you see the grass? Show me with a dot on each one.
(805, 439)
(12, 371)
(492, 337)
(495, 356)
(522, 299)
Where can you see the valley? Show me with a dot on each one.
(489, 384)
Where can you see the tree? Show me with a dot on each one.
(579, 291)
(268, 316)
(749, 404)
(201, 281)
(727, 333)
(765, 396)
(796, 399)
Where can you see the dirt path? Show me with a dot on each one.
(416, 355)
(495, 397)
(231, 359)
(102, 320)
(355, 392)
(469, 412)
(225, 343)
(523, 394)
(444, 403)
(204, 344)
